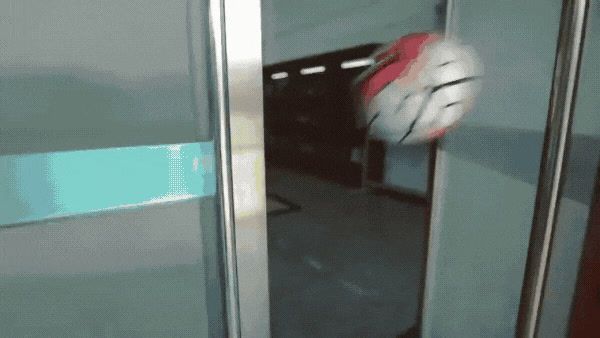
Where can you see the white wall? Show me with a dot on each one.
(294, 29)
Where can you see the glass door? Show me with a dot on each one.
(116, 198)
(500, 251)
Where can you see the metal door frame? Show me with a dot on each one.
(553, 164)
(236, 44)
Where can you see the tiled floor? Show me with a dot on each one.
(348, 264)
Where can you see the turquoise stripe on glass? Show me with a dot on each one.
(50, 185)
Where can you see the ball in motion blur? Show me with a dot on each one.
(419, 88)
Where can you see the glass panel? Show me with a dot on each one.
(88, 74)
(580, 176)
(488, 172)
(108, 209)
(146, 272)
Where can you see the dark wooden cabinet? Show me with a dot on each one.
(310, 118)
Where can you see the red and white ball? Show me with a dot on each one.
(420, 87)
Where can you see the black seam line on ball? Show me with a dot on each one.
(445, 63)
(453, 83)
(373, 119)
(401, 104)
(419, 114)
(452, 104)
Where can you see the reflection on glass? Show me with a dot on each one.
(108, 215)
(580, 175)
(91, 75)
(488, 173)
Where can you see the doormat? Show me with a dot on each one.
(277, 205)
